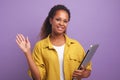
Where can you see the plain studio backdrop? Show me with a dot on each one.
(92, 21)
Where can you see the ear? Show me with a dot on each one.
(50, 20)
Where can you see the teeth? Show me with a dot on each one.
(59, 28)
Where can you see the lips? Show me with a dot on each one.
(60, 28)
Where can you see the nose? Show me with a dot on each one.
(61, 23)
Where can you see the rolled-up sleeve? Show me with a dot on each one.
(38, 59)
(89, 66)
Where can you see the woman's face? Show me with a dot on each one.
(59, 22)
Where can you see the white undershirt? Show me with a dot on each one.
(60, 52)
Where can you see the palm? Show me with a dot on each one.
(23, 43)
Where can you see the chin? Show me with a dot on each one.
(62, 31)
(59, 33)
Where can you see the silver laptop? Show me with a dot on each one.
(88, 56)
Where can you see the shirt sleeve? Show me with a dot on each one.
(38, 59)
(89, 66)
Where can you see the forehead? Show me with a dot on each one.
(61, 13)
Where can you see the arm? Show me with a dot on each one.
(25, 46)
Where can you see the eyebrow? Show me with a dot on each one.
(63, 19)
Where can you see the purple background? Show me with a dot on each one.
(93, 21)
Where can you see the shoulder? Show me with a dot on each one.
(74, 41)
(40, 43)
(77, 42)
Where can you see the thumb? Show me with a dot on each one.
(27, 40)
(82, 67)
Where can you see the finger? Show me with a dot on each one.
(19, 44)
(82, 67)
(22, 37)
(18, 40)
(27, 40)
(77, 75)
(78, 71)
(74, 75)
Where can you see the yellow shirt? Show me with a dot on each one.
(46, 59)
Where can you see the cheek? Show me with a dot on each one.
(55, 23)
(66, 25)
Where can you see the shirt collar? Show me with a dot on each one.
(48, 44)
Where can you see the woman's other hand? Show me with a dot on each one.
(82, 73)
(23, 43)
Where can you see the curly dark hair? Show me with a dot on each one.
(46, 27)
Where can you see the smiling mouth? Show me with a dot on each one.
(60, 28)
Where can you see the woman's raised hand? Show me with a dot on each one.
(23, 43)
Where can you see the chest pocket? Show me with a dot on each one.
(74, 61)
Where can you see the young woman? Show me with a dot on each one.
(55, 56)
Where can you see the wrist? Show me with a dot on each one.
(28, 52)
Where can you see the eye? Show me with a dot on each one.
(57, 19)
(65, 21)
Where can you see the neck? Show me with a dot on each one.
(57, 36)
(57, 40)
